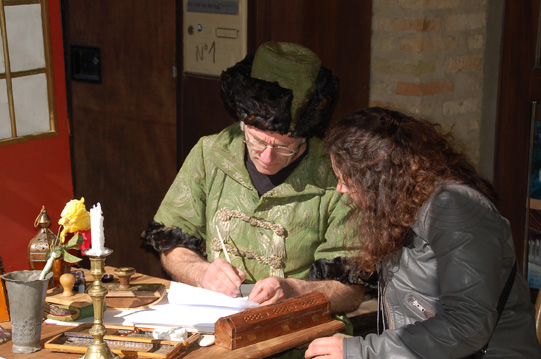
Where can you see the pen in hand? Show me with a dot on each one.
(225, 252)
(223, 245)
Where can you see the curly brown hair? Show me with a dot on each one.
(391, 163)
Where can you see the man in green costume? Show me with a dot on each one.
(263, 190)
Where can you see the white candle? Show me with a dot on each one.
(96, 230)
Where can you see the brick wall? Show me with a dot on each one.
(428, 60)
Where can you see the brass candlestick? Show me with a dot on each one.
(98, 349)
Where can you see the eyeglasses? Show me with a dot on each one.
(259, 146)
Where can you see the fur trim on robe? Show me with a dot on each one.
(161, 238)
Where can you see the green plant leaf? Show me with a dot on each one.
(70, 258)
(71, 247)
(75, 241)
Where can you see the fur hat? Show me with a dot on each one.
(283, 89)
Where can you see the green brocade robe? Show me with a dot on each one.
(278, 234)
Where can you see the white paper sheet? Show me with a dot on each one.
(191, 307)
(180, 293)
(185, 306)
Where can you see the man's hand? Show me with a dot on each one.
(189, 267)
(222, 277)
(343, 298)
(268, 291)
(330, 348)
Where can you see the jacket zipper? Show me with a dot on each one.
(416, 304)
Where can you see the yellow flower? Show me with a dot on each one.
(75, 218)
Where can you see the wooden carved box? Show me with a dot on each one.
(285, 317)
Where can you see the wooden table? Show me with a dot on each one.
(259, 350)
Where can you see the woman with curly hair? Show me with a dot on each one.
(448, 284)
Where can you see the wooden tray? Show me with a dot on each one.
(122, 340)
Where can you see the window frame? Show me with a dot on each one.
(9, 75)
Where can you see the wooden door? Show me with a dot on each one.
(123, 116)
(518, 112)
(532, 250)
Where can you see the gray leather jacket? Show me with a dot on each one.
(442, 289)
